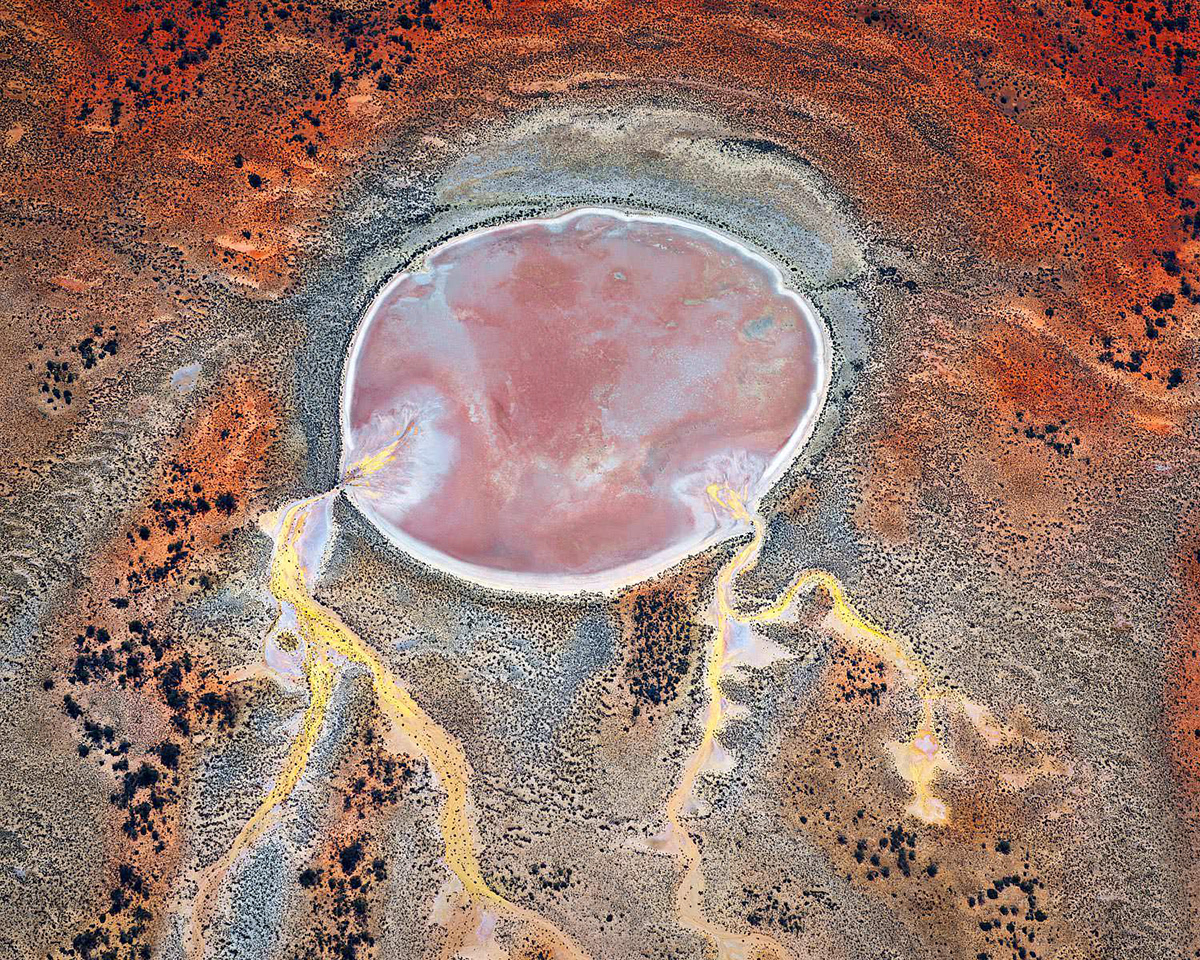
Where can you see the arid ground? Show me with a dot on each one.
(933, 694)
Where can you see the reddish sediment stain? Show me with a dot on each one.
(576, 384)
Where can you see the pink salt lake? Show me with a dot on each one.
(576, 383)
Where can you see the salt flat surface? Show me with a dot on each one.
(577, 382)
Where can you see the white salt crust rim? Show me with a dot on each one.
(626, 575)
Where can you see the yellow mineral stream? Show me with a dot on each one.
(324, 633)
(917, 761)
